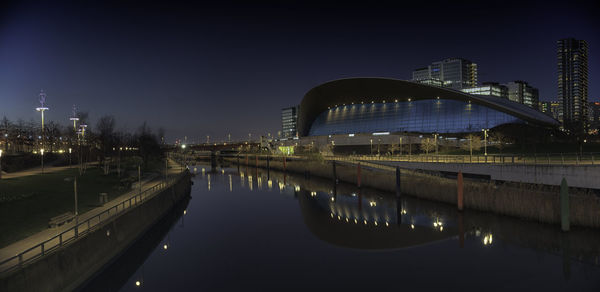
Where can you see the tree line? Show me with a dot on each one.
(100, 142)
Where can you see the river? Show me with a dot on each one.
(256, 230)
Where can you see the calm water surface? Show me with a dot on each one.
(255, 230)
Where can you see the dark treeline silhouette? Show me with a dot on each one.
(104, 142)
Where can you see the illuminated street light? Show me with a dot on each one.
(70, 157)
(42, 152)
(435, 136)
(74, 118)
(485, 134)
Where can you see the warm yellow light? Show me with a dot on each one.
(165, 246)
(412, 226)
(184, 212)
(138, 283)
(70, 150)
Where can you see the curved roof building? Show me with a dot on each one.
(368, 105)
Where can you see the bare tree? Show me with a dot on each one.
(105, 128)
(52, 134)
(427, 144)
(472, 142)
(6, 127)
(499, 139)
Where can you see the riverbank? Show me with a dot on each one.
(526, 201)
(73, 263)
(581, 244)
(27, 203)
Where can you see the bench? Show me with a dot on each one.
(60, 219)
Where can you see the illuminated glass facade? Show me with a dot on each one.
(421, 116)
(521, 92)
(489, 89)
(289, 121)
(455, 73)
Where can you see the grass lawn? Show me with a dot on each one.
(28, 203)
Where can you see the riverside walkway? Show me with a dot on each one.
(579, 173)
(14, 249)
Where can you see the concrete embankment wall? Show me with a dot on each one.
(67, 268)
(528, 201)
(581, 176)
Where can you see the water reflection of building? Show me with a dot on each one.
(366, 222)
(420, 221)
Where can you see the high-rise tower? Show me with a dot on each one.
(573, 82)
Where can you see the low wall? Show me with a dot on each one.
(528, 201)
(69, 267)
(581, 176)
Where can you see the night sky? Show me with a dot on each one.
(230, 67)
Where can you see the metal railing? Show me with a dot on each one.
(82, 228)
(536, 159)
(589, 158)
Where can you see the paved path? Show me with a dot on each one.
(38, 170)
(35, 239)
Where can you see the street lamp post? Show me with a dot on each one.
(485, 134)
(42, 109)
(42, 152)
(435, 136)
(70, 157)
(400, 146)
(76, 211)
(183, 150)
(371, 147)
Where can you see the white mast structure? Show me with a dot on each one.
(42, 109)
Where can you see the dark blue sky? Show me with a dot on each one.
(200, 70)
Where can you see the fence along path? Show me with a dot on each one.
(44, 242)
